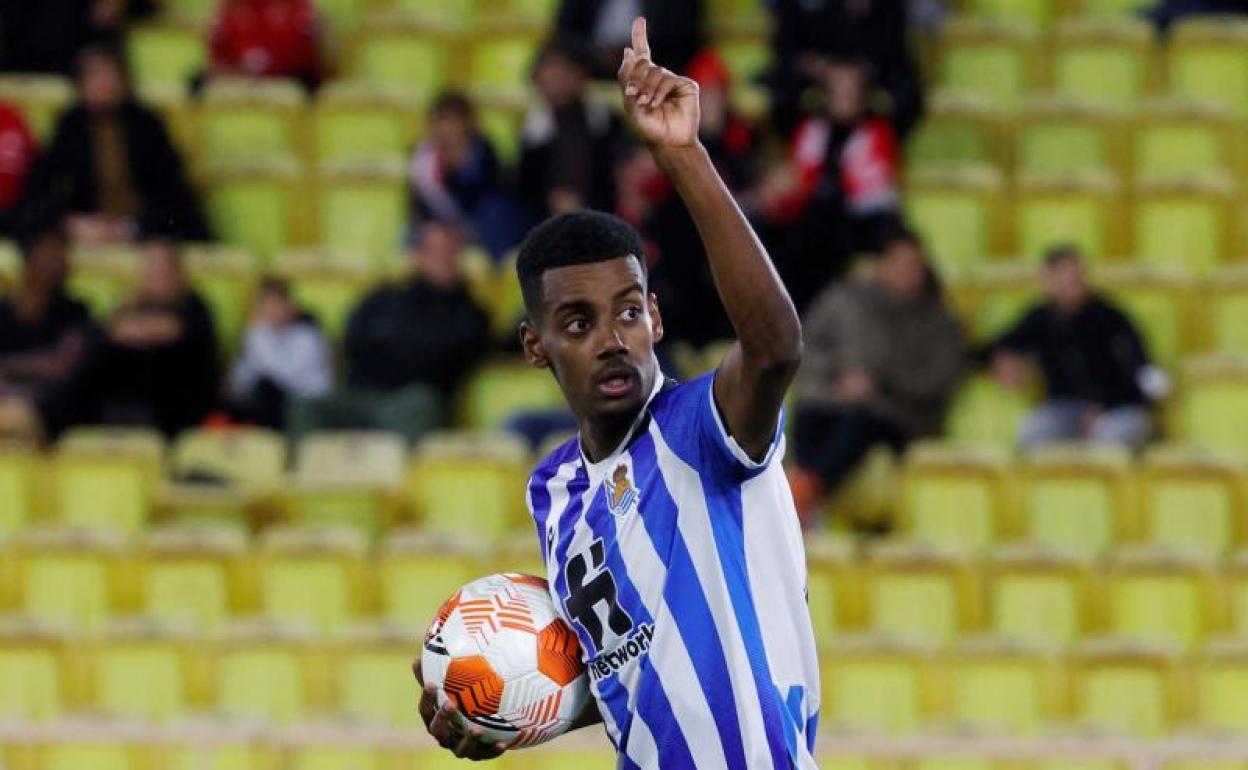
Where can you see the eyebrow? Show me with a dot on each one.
(582, 304)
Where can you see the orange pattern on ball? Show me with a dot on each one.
(473, 686)
(559, 653)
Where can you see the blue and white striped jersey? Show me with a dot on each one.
(679, 562)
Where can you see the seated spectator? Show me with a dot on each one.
(727, 136)
(267, 38)
(455, 177)
(873, 31)
(17, 152)
(567, 143)
(1093, 362)
(408, 348)
(111, 164)
(1166, 12)
(45, 36)
(159, 362)
(284, 357)
(674, 27)
(839, 191)
(44, 337)
(883, 358)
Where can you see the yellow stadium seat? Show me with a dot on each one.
(747, 58)
(1061, 136)
(359, 122)
(245, 457)
(373, 680)
(257, 205)
(328, 286)
(103, 277)
(726, 17)
(989, 60)
(20, 488)
(1004, 686)
(336, 757)
(32, 659)
(313, 576)
(69, 576)
(1236, 581)
(349, 479)
(1227, 308)
(248, 119)
(1033, 592)
(469, 483)
(1127, 688)
(1081, 210)
(1221, 674)
(418, 572)
(1156, 593)
(140, 669)
(954, 497)
(1103, 61)
(105, 479)
(199, 11)
(1213, 407)
(500, 63)
(1181, 141)
(912, 590)
(190, 574)
(957, 133)
(995, 296)
(955, 210)
(987, 414)
(1193, 499)
(1115, 9)
(1183, 225)
(1209, 61)
(41, 98)
(877, 684)
(97, 755)
(224, 278)
(363, 210)
(1159, 302)
(265, 671)
(1077, 497)
(501, 125)
(437, 14)
(399, 56)
(223, 753)
(831, 585)
(1037, 12)
(500, 389)
(166, 54)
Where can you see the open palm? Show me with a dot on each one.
(662, 106)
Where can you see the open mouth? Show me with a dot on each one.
(617, 383)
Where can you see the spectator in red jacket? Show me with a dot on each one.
(17, 152)
(267, 38)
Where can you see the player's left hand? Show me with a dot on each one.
(662, 106)
(442, 724)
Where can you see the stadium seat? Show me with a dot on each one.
(955, 211)
(954, 497)
(1034, 592)
(329, 286)
(140, 669)
(916, 591)
(1160, 593)
(985, 413)
(1004, 685)
(418, 572)
(1077, 497)
(363, 210)
(499, 65)
(166, 54)
(1115, 9)
(336, 756)
(397, 55)
(226, 752)
(1037, 12)
(989, 60)
(265, 671)
(876, 684)
(1213, 405)
(223, 278)
(748, 59)
(1227, 306)
(956, 134)
(503, 388)
(501, 124)
(351, 479)
(98, 754)
(1104, 62)
(105, 479)
(21, 490)
(197, 11)
(371, 674)
(69, 576)
(438, 14)
(190, 574)
(361, 123)
(1193, 499)
(1221, 674)
(1175, 141)
(729, 17)
(314, 576)
(1081, 210)
(41, 98)
(1209, 61)
(469, 484)
(1159, 302)
(1059, 136)
(225, 474)
(831, 585)
(244, 120)
(32, 659)
(103, 277)
(257, 206)
(1127, 688)
(1236, 583)
(1184, 225)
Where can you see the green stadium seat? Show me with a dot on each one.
(363, 211)
(1221, 673)
(1036, 12)
(1079, 210)
(189, 575)
(1077, 497)
(103, 277)
(361, 123)
(1227, 305)
(1235, 578)
(1183, 226)
(348, 479)
(1038, 593)
(876, 684)
(191, 11)
(312, 576)
(1160, 304)
(499, 65)
(915, 591)
(1004, 686)
(369, 682)
(1126, 688)
(985, 413)
(106, 479)
(1193, 499)
(1103, 62)
(987, 60)
(1209, 61)
(224, 278)
(337, 757)
(97, 755)
(955, 211)
(747, 59)
(242, 457)
(464, 483)
(20, 488)
(954, 497)
(243, 120)
(328, 286)
(501, 125)
(433, 13)
(402, 58)
(32, 658)
(735, 17)
(1178, 141)
(139, 671)
(263, 672)
(1161, 594)
(166, 55)
(256, 206)
(41, 99)
(68, 577)
(418, 571)
(218, 755)
(957, 134)
(829, 584)
(1062, 138)
(1213, 404)
(1114, 9)
(503, 388)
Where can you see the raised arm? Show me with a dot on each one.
(756, 372)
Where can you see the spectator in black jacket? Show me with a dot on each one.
(675, 29)
(111, 165)
(1096, 371)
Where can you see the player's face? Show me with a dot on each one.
(596, 332)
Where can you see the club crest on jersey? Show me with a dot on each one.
(621, 494)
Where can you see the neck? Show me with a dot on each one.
(600, 438)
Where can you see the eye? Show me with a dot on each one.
(630, 313)
(576, 325)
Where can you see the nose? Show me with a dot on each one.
(612, 343)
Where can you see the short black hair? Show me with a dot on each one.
(576, 238)
(453, 102)
(1063, 252)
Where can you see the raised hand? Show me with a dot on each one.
(661, 105)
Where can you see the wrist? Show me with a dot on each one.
(674, 158)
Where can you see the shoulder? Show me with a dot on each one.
(538, 494)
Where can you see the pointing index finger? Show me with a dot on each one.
(641, 46)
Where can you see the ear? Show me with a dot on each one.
(656, 319)
(531, 341)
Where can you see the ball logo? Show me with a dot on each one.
(621, 494)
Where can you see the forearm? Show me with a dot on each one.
(589, 716)
(757, 304)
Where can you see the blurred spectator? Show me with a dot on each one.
(1166, 12)
(727, 136)
(567, 143)
(43, 339)
(839, 190)
(45, 36)
(17, 152)
(284, 357)
(455, 176)
(267, 38)
(871, 30)
(675, 29)
(1093, 362)
(159, 362)
(883, 358)
(407, 347)
(111, 164)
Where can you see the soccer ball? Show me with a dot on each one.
(501, 654)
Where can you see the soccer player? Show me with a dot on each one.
(670, 538)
